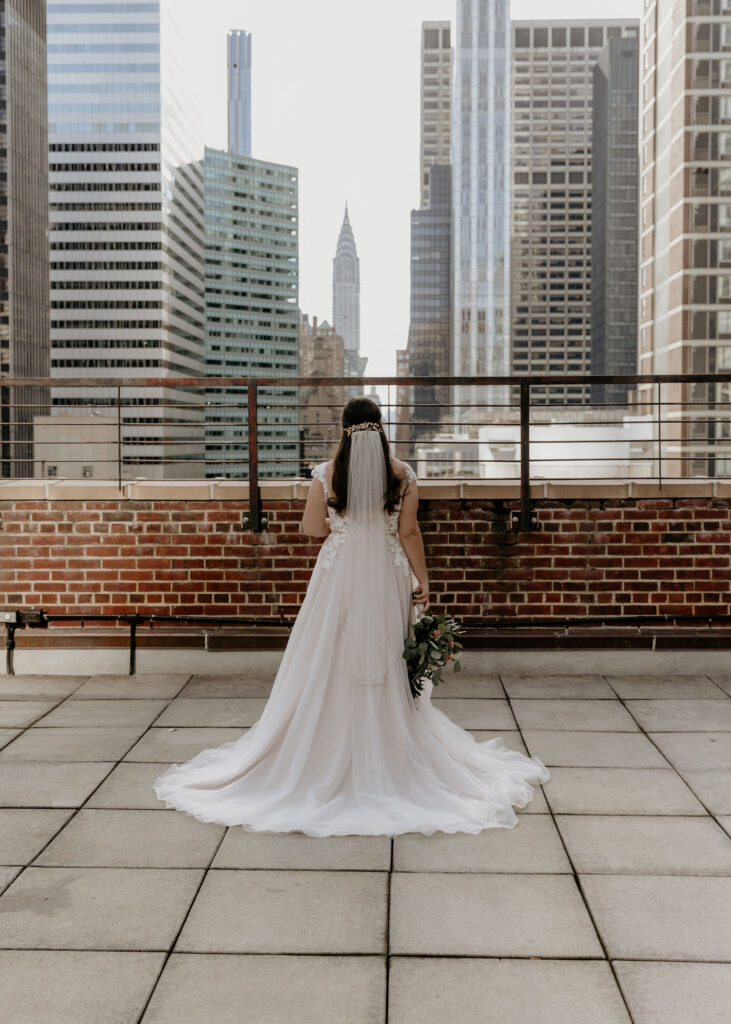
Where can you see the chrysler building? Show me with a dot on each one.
(346, 298)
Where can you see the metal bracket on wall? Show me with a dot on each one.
(524, 521)
(14, 619)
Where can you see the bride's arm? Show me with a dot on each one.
(412, 541)
(315, 522)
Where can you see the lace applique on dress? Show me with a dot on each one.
(340, 526)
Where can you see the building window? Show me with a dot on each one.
(87, 471)
(51, 470)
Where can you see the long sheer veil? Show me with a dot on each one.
(374, 593)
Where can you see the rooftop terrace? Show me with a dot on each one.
(607, 904)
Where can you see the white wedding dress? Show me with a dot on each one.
(341, 748)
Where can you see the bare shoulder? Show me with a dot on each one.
(398, 467)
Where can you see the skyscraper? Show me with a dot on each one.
(252, 322)
(685, 226)
(126, 238)
(346, 298)
(481, 196)
(24, 320)
(322, 354)
(430, 320)
(435, 101)
(553, 66)
(239, 93)
(614, 216)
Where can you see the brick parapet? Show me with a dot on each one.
(596, 552)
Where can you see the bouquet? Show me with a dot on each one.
(431, 646)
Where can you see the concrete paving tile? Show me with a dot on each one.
(76, 743)
(146, 686)
(713, 789)
(475, 713)
(693, 750)
(461, 684)
(132, 839)
(675, 993)
(25, 831)
(682, 715)
(533, 846)
(287, 912)
(230, 687)
(511, 737)
(619, 791)
(669, 687)
(92, 713)
(18, 714)
(218, 712)
(724, 820)
(178, 745)
(573, 748)
(240, 989)
(661, 917)
(49, 784)
(490, 915)
(7, 874)
(6, 735)
(599, 715)
(96, 908)
(645, 845)
(724, 681)
(129, 785)
(557, 687)
(242, 849)
(75, 986)
(39, 687)
(437, 990)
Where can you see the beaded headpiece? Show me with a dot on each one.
(364, 426)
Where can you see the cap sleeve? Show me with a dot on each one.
(409, 477)
(320, 473)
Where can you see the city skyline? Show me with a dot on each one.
(337, 97)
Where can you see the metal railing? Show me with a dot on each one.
(258, 428)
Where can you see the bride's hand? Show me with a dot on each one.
(421, 595)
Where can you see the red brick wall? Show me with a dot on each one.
(608, 557)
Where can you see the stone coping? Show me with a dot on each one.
(297, 488)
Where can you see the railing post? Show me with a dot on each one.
(255, 520)
(119, 437)
(525, 514)
(659, 436)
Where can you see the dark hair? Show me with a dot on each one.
(360, 410)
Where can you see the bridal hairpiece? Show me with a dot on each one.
(364, 426)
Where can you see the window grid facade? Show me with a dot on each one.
(24, 320)
(126, 158)
(685, 225)
(550, 304)
(252, 320)
(436, 101)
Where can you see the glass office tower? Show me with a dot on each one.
(481, 198)
(239, 92)
(24, 321)
(614, 216)
(553, 67)
(431, 305)
(126, 236)
(252, 319)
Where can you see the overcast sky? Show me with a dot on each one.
(335, 88)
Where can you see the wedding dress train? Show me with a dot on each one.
(341, 748)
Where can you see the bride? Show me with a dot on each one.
(341, 747)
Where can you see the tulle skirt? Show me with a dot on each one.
(331, 756)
